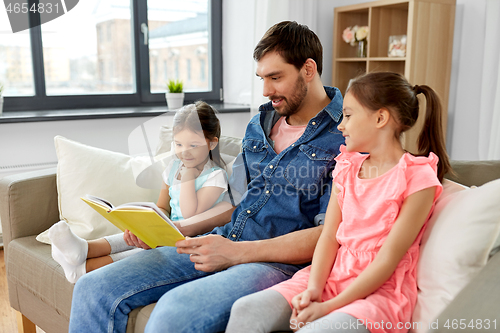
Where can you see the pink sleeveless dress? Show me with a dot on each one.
(369, 209)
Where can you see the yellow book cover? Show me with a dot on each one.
(143, 219)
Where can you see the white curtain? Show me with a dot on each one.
(489, 116)
(245, 22)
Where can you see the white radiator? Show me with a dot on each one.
(6, 170)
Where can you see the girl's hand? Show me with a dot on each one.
(302, 300)
(133, 240)
(313, 311)
(189, 173)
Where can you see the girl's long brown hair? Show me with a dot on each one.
(392, 91)
(197, 117)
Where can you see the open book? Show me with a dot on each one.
(143, 219)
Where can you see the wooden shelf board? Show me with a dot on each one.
(370, 59)
(351, 59)
(387, 59)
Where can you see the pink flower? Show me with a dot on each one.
(348, 35)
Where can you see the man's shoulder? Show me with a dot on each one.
(334, 108)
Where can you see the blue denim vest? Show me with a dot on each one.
(286, 191)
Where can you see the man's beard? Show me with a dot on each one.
(292, 105)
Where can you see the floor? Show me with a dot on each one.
(8, 320)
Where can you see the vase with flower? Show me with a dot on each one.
(357, 36)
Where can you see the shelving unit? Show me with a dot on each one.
(428, 26)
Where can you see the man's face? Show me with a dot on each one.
(284, 85)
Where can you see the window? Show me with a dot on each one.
(188, 69)
(202, 70)
(165, 70)
(176, 69)
(15, 60)
(102, 48)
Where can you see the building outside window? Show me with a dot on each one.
(188, 69)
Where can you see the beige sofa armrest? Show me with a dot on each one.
(28, 204)
(476, 173)
(478, 301)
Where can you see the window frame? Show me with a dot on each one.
(140, 56)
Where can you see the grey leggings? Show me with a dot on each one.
(268, 311)
(119, 249)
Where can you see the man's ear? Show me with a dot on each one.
(310, 69)
(382, 116)
(213, 143)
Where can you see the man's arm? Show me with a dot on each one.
(199, 224)
(214, 253)
(293, 248)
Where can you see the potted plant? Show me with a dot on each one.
(175, 94)
(1, 99)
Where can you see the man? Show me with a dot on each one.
(288, 152)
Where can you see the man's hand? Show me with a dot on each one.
(210, 253)
(132, 240)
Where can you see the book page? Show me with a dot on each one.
(99, 201)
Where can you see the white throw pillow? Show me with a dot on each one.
(82, 170)
(455, 246)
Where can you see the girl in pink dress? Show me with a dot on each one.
(363, 272)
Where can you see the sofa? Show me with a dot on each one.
(41, 295)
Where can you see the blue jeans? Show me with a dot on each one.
(188, 300)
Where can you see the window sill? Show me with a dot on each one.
(123, 112)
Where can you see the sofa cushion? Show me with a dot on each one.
(82, 170)
(138, 318)
(455, 246)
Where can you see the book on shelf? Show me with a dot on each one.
(143, 219)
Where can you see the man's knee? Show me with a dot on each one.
(84, 285)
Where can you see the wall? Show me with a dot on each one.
(28, 143)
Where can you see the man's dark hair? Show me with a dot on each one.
(294, 42)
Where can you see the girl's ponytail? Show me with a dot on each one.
(432, 139)
(392, 91)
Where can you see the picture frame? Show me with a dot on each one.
(397, 46)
